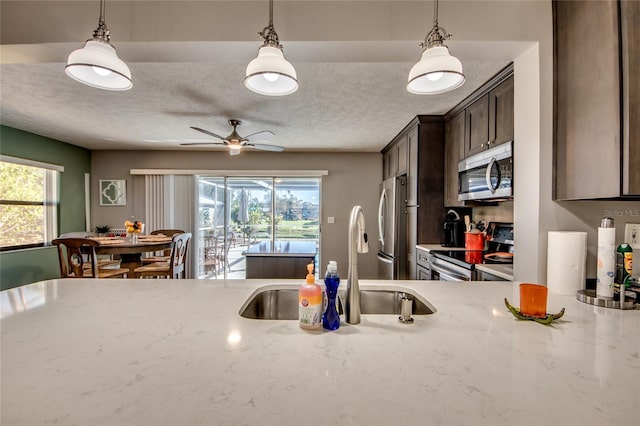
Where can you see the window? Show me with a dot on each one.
(28, 203)
(264, 214)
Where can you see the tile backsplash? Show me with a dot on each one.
(503, 212)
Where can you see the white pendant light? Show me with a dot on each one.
(270, 73)
(97, 64)
(437, 71)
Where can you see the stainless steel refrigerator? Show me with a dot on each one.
(392, 229)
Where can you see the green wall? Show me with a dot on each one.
(27, 266)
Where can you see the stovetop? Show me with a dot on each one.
(499, 250)
(468, 258)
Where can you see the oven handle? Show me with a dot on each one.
(447, 277)
(447, 273)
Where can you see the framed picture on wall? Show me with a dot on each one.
(113, 192)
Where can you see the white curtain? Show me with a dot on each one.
(170, 203)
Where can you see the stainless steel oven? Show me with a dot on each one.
(487, 175)
(445, 270)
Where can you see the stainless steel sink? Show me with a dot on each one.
(281, 303)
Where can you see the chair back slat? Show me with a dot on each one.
(167, 233)
(179, 253)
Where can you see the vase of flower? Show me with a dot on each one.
(134, 228)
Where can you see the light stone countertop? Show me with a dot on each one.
(176, 352)
(429, 247)
(503, 271)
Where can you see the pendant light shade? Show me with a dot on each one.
(97, 64)
(437, 71)
(270, 73)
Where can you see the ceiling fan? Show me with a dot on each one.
(236, 143)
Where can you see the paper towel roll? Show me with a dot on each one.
(606, 267)
(566, 261)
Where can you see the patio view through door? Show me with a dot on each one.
(236, 214)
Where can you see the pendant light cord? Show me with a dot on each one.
(435, 13)
(269, 33)
(102, 33)
(271, 13)
(437, 35)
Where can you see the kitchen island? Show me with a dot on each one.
(176, 352)
(280, 259)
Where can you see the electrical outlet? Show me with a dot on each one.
(632, 234)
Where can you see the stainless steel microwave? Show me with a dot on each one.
(487, 175)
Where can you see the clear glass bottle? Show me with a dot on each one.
(331, 318)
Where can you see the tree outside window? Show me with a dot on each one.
(28, 202)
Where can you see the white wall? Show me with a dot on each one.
(528, 166)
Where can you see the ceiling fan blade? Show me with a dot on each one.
(265, 147)
(264, 135)
(206, 132)
(202, 143)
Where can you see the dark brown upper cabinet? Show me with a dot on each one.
(596, 125)
(501, 113)
(630, 34)
(477, 126)
(489, 120)
(453, 153)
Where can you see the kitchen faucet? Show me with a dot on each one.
(358, 243)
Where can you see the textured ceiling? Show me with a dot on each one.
(346, 106)
(352, 95)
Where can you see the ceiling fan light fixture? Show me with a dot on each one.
(437, 71)
(97, 64)
(234, 149)
(270, 73)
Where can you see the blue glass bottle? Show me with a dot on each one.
(331, 318)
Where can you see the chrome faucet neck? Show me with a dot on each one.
(357, 244)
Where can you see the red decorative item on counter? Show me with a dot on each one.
(474, 256)
(474, 240)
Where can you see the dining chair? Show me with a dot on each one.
(173, 269)
(210, 254)
(223, 255)
(77, 258)
(164, 257)
(103, 261)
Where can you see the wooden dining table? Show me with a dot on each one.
(129, 252)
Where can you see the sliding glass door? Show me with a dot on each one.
(267, 215)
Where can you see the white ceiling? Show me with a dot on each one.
(352, 94)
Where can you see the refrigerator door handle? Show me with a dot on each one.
(385, 259)
(383, 196)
